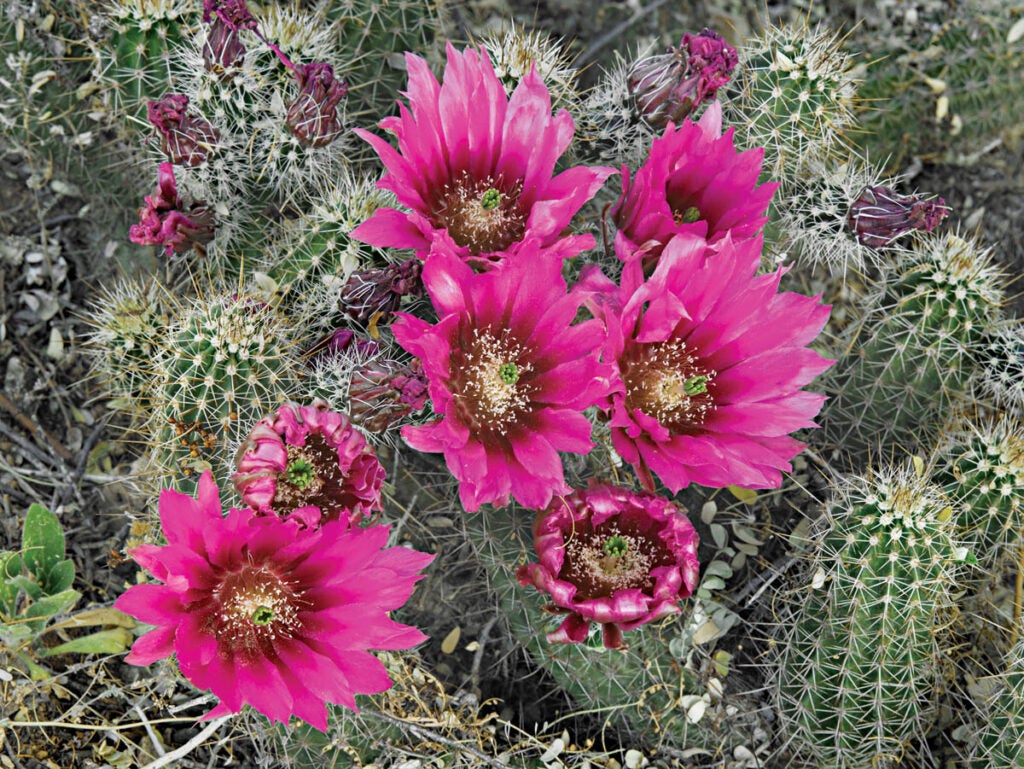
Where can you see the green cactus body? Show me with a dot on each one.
(138, 61)
(514, 51)
(984, 473)
(950, 96)
(1000, 742)
(374, 36)
(793, 94)
(857, 647)
(229, 360)
(129, 322)
(316, 255)
(911, 358)
(642, 687)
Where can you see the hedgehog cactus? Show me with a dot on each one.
(1000, 740)
(139, 61)
(857, 643)
(514, 51)
(912, 357)
(129, 325)
(228, 361)
(794, 95)
(983, 472)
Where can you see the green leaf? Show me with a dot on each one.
(49, 606)
(42, 542)
(60, 577)
(30, 586)
(14, 635)
(111, 641)
(10, 565)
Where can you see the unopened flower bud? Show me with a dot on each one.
(377, 293)
(386, 391)
(186, 139)
(881, 215)
(166, 221)
(341, 341)
(313, 116)
(669, 86)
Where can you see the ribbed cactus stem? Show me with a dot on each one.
(857, 642)
(911, 358)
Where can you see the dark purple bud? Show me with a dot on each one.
(384, 392)
(313, 116)
(370, 294)
(880, 215)
(668, 87)
(166, 221)
(342, 341)
(223, 49)
(186, 139)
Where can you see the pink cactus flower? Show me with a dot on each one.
(309, 463)
(509, 375)
(262, 612)
(475, 165)
(612, 556)
(694, 182)
(166, 221)
(881, 215)
(711, 358)
(669, 86)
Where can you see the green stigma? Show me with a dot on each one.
(695, 385)
(691, 215)
(509, 373)
(300, 473)
(263, 615)
(490, 199)
(616, 546)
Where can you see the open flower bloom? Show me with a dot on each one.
(710, 359)
(509, 375)
(310, 463)
(693, 182)
(475, 165)
(262, 612)
(613, 556)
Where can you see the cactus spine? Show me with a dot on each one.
(1000, 742)
(857, 646)
(912, 356)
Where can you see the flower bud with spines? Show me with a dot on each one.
(857, 644)
(912, 357)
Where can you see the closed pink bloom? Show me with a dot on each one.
(474, 166)
(265, 613)
(309, 462)
(612, 556)
(509, 375)
(711, 358)
(694, 182)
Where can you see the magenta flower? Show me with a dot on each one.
(475, 166)
(166, 221)
(694, 182)
(881, 215)
(612, 556)
(509, 374)
(309, 463)
(669, 86)
(262, 612)
(313, 116)
(711, 359)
